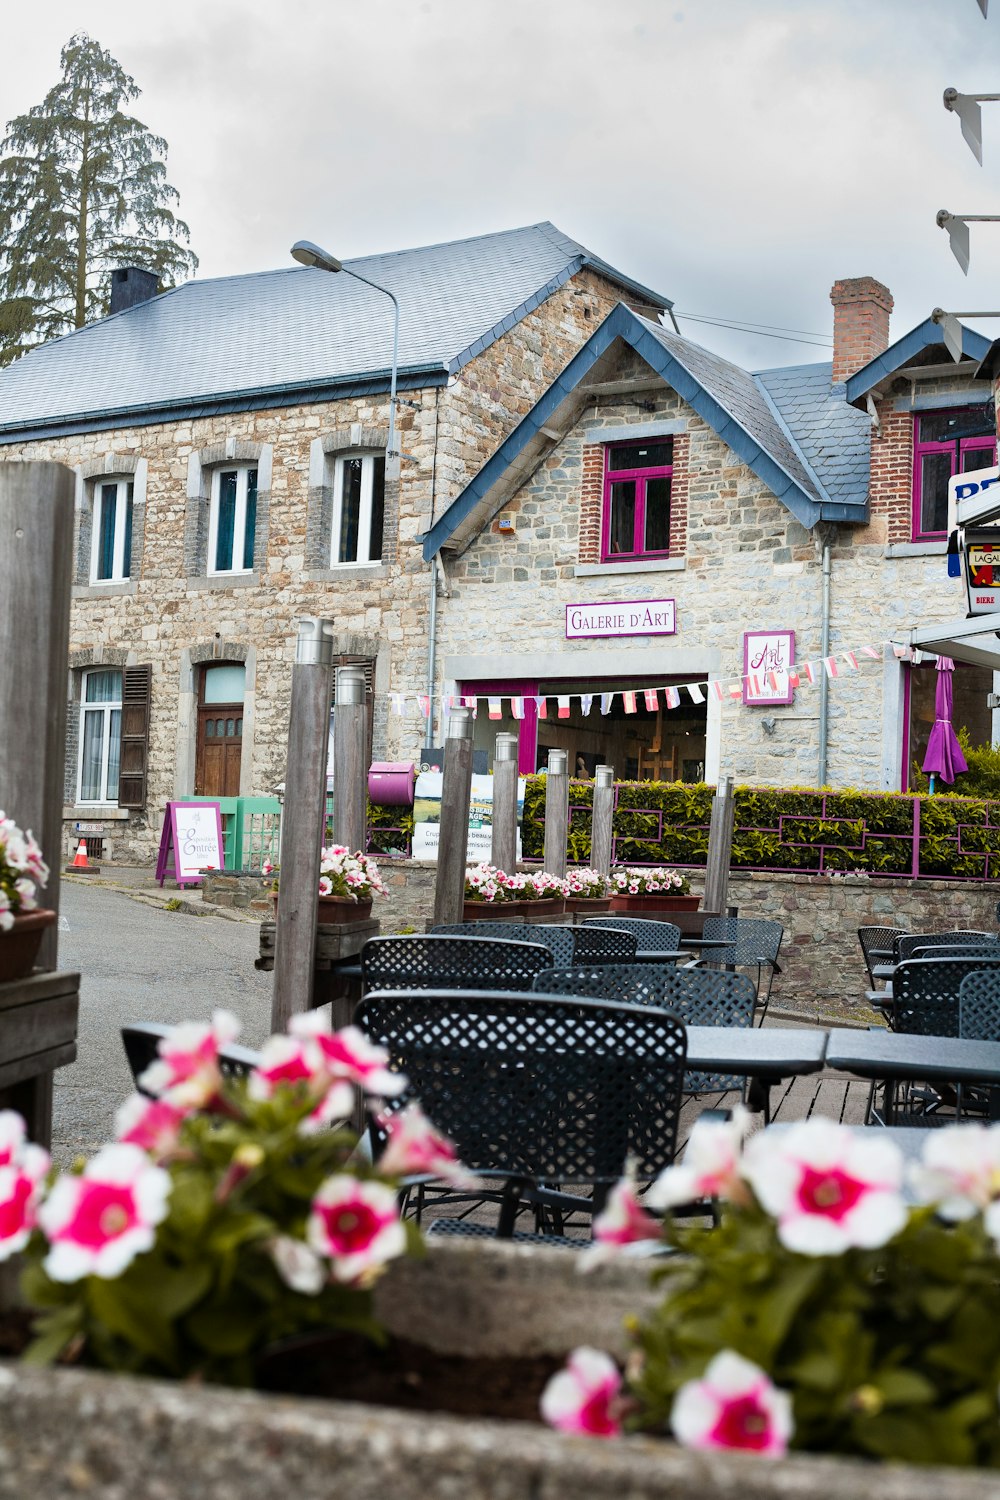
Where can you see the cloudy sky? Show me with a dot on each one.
(737, 155)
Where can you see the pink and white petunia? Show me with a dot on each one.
(711, 1166)
(415, 1146)
(152, 1124)
(828, 1189)
(583, 1396)
(21, 1179)
(299, 1267)
(348, 1054)
(98, 1222)
(12, 1136)
(733, 1405)
(623, 1221)
(186, 1072)
(287, 1061)
(356, 1225)
(959, 1171)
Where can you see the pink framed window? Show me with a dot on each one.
(637, 480)
(947, 443)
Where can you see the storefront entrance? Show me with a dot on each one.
(649, 744)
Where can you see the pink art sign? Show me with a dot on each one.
(621, 617)
(768, 658)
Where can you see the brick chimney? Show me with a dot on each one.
(861, 308)
(131, 285)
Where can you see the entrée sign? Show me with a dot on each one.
(621, 617)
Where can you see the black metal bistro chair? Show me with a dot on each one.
(141, 1040)
(545, 1092)
(602, 945)
(559, 940)
(652, 937)
(699, 997)
(979, 1019)
(434, 961)
(879, 941)
(751, 943)
(908, 944)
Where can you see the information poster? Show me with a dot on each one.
(427, 817)
(191, 842)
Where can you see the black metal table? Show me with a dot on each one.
(764, 1054)
(895, 1055)
(694, 940)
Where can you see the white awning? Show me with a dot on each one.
(974, 640)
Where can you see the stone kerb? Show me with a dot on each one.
(112, 1437)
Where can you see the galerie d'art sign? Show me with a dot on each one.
(621, 617)
(768, 659)
(191, 842)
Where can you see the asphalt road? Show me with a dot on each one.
(141, 963)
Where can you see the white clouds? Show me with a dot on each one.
(737, 154)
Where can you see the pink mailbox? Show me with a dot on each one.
(390, 783)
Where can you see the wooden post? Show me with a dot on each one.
(602, 820)
(303, 818)
(456, 787)
(350, 771)
(720, 847)
(556, 812)
(36, 560)
(503, 850)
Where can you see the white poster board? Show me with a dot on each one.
(198, 842)
(427, 817)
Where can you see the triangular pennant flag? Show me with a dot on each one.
(916, 656)
(830, 663)
(851, 660)
(736, 690)
(496, 712)
(542, 704)
(652, 701)
(697, 696)
(517, 707)
(563, 708)
(901, 653)
(810, 671)
(398, 701)
(471, 703)
(673, 696)
(753, 686)
(606, 701)
(772, 682)
(717, 690)
(793, 677)
(586, 703)
(870, 651)
(629, 701)
(424, 705)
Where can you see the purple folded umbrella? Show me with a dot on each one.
(944, 756)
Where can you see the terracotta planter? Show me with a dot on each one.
(493, 911)
(19, 947)
(655, 901)
(541, 911)
(336, 909)
(588, 906)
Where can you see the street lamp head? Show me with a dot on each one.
(308, 254)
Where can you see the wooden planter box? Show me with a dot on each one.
(107, 1436)
(38, 1018)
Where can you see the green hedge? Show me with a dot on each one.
(667, 823)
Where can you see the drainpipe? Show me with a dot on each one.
(824, 681)
(432, 612)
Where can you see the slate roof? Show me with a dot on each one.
(791, 427)
(232, 342)
(833, 438)
(974, 346)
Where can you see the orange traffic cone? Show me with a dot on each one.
(80, 861)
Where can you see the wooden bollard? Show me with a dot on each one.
(456, 788)
(720, 847)
(36, 559)
(503, 848)
(350, 773)
(602, 820)
(556, 812)
(303, 817)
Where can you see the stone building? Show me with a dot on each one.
(662, 520)
(229, 441)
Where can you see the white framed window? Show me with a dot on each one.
(358, 508)
(100, 736)
(111, 544)
(232, 522)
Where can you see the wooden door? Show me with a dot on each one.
(220, 750)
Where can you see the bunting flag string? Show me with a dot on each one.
(751, 686)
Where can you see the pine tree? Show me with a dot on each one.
(83, 190)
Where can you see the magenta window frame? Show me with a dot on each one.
(641, 477)
(965, 445)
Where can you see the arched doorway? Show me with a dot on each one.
(221, 690)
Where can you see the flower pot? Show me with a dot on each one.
(336, 909)
(541, 911)
(19, 947)
(493, 911)
(588, 906)
(654, 901)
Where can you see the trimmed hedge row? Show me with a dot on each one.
(796, 829)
